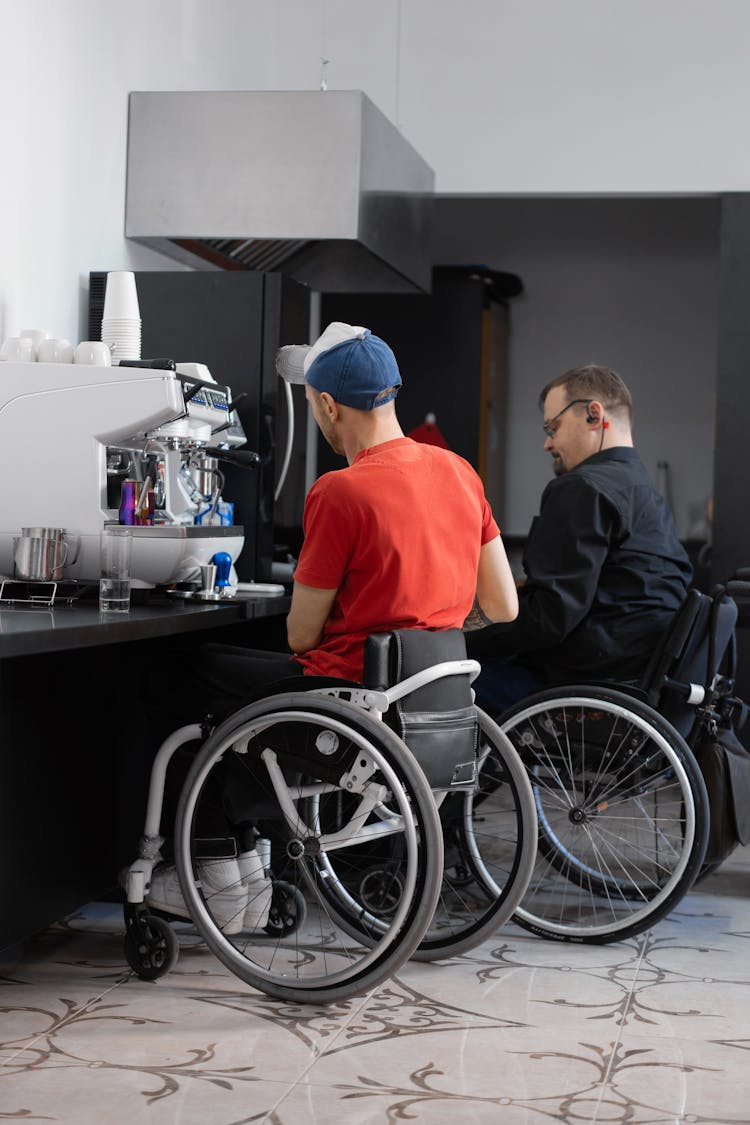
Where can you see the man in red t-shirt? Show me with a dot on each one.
(401, 539)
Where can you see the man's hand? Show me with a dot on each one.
(308, 615)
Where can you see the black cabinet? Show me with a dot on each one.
(451, 346)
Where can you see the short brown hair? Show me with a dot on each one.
(592, 381)
(381, 399)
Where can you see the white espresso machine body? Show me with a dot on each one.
(57, 421)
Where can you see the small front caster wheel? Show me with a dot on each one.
(151, 948)
(381, 890)
(288, 910)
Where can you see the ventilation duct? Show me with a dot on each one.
(316, 185)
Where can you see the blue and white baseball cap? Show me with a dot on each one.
(353, 366)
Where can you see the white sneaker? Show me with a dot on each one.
(222, 886)
(257, 886)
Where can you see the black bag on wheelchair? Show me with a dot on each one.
(725, 765)
(437, 722)
(689, 682)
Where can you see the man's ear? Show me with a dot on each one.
(330, 406)
(595, 411)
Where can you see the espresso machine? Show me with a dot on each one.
(71, 433)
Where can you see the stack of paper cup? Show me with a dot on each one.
(121, 319)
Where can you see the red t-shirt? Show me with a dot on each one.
(398, 535)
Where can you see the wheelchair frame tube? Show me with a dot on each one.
(159, 770)
(380, 701)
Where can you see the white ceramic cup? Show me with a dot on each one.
(120, 296)
(93, 351)
(18, 349)
(36, 335)
(55, 351)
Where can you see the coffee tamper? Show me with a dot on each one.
(207, 593)
(223, 564)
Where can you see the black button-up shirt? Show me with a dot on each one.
(605, 574)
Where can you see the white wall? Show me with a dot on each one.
(67, 68)
(543, 95)
(578, 95)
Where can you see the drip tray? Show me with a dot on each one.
(24, 591)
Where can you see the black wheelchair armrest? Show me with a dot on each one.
(377, 661)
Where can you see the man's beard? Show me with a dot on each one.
(557, 466)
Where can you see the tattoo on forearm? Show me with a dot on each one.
(477, 618)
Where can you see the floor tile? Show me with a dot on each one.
(422, 1097)
(193, 1092)
(518, 1031)
(672, 1079)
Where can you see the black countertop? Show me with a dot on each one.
(74, 753)
(32, 630)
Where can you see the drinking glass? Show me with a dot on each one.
(114, 584)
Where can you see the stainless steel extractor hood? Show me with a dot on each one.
(317, 185)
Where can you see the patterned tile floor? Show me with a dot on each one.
(652, 1030)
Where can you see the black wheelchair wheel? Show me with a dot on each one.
(298, 753)
(622, 813)
(489, 842)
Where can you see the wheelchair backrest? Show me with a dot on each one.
(438, 721)
(692, 651)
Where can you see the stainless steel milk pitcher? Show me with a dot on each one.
(39, 553)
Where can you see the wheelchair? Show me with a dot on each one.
(358, 793)
(621, 802)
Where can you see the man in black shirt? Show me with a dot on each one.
(605, 570)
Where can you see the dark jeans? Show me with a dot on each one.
(222, 678)
(210, 679)
(501, 683)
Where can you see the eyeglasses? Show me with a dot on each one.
(550, 428)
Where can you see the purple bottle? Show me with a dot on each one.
(127, 502)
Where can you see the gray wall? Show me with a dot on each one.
(631, 283)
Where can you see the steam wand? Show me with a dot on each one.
(242, 458)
